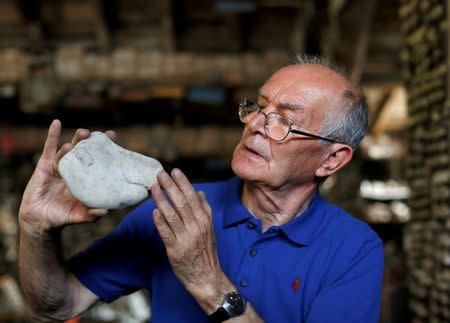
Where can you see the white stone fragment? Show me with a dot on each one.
(103, 175)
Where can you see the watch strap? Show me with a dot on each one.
(219, 316)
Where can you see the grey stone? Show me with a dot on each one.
(103, 175)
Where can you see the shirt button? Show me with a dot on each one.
(244, 282)
(253, 252)
(251, 225)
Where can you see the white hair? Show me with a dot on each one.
(348, 122)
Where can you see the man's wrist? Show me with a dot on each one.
(210, 296)
(233, 306)
(36, 230)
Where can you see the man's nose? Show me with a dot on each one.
(256, 124)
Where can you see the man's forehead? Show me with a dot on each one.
(307, 79)
(307, 75)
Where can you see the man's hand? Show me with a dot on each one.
(53, 293)
(187, 232)
(46, 202)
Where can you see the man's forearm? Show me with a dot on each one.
(43, 277)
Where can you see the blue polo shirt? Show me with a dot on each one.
(323, 266)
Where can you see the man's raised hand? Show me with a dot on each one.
(46, 202)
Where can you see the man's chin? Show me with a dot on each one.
(246, 171)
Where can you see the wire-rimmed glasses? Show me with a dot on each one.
(277, 126)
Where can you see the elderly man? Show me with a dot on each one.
(262, 246)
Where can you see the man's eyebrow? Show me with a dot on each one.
(284, 105)
(291, 106)
(262, 95)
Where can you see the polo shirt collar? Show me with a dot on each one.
(301, 230)
(234, 211)
(304, 228)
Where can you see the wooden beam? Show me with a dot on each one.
(377, 108)
(167, 30)
(101, 29)
(301, 25)
(362, 44)
(332, 35)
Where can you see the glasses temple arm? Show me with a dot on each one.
(299, 132)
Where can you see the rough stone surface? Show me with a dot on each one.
(103, 175)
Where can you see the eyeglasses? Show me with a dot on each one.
(276, 126)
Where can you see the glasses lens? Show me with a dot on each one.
(277, 127)
(247, 109)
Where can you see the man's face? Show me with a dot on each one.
(303, 94)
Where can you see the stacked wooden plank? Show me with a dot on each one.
(158, 141)
(75, 62)
(425, 59)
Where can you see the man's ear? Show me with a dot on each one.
(339, 157)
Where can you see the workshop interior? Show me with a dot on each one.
(168, 77)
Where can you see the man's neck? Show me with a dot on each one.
(276, 207)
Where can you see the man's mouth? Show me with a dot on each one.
(253, 152)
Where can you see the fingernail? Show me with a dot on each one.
(176, 172)
(162, 174)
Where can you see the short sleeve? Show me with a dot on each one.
(121, 262)
(352, 293)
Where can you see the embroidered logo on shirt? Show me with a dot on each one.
(296, 284)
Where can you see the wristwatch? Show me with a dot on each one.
(233, 305)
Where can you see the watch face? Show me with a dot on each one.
(234, 304)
